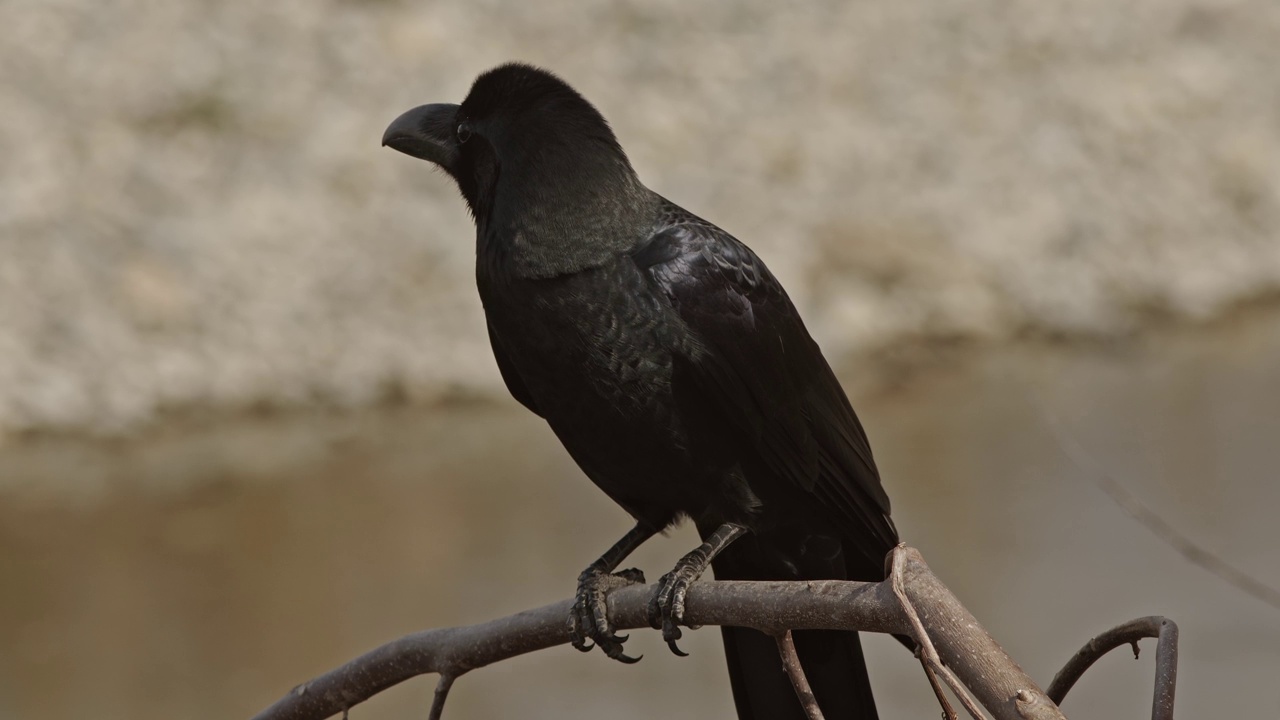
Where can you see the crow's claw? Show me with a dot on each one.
(671, 634)
(615, 652)
(666, 607)
(589, 620)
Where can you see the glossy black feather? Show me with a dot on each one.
(511, 376)
(755, 360)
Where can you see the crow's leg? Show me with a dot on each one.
(589, 620)
(666, 609)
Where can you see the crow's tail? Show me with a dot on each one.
(832, 662)
(832, 659)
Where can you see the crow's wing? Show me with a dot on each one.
(515, 383)
(754, 359)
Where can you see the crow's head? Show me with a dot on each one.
(523, 144)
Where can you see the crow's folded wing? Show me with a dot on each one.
(515, 384)
(755, 360)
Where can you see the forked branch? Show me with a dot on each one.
(963, 649)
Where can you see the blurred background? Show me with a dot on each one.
(250, 426)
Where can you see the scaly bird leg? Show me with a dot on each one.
(666, 609)
(589, 620)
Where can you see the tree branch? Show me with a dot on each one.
(933, 666)
(795, 673)
(454, 651)
(961, 644)
(1166, 632)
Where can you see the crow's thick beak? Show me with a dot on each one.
(426, 132)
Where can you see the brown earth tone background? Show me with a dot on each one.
(250, 427)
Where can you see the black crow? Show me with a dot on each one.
(672, 366)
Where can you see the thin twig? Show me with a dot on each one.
(1166, 632)
(795, 673)
(928, 654)
(948, 712)
(442, 692)
(1152, 521)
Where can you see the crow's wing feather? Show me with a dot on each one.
(755, 360)
(515, 384)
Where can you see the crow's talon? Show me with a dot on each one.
(589, 624)
(671, 633)
(579, 642)
(577, 636)
(666, 607)
(660, 603)
(615, 652)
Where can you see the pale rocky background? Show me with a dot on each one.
(194, 209)
(250, 426)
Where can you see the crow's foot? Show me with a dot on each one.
(589, 620)
(666, 609)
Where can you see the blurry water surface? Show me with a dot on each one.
(203, 569)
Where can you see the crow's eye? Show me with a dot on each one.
(464, 133)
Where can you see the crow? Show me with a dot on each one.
(674, 369)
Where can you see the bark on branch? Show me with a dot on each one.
(1166, 634)
(958, 640)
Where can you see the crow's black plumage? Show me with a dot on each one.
(671, 365)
